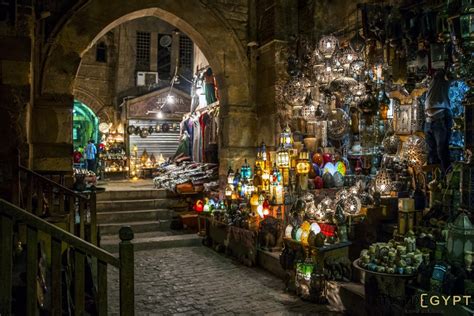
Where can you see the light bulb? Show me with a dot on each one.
(159, 115)
(170, 99)
(328, 45)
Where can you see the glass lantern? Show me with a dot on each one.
(302, 169)
(283, 162)
(246, 170)
(286, 137)
(327, 45)
(230, 176)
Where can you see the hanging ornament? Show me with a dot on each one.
(414, 151)
(357, 43)
(327, 46)
(357, 67)
(295, 90)
(308, 110)
(391, 144)
(338, 124)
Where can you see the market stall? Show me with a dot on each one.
(373, 164)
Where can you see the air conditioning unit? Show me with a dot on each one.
(146, 78)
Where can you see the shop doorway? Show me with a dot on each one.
(85, 126)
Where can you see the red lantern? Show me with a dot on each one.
(266, 208)
(328, 230)
(318, 183)
(198, 206)
(318, 159)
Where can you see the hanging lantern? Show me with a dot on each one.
(230, 176)
(391, 144)
(414, 151)
(357, 43)
(347, 57)
(288, 230)
(283, 158)
(286, 138)
(228, 191)
(383, 182)
(246, 170)
(254, 202)
(308, 110)
(327, 45)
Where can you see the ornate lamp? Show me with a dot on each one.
(384, 103)
(302, 169)
(286, 138)
(383, 182)
(283, 162)
(327, 45)
(230, 176)
(246, 170)
(414, 151)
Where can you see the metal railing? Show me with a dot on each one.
(11, 215)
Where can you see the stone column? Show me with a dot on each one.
(51, 133)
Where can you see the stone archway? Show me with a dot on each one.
(94, 103)
(201, 22)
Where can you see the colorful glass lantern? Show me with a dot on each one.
(327, 45)
(198, 206)
(283, 162)
(383, 182)
(254, 202)
(315, 228)
(286, 138)
(246, 170)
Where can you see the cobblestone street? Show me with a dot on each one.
(199, 281)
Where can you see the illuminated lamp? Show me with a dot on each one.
(230, 176)
(266, 208)
(318, 159)
(327, 230)
(329, 168)
(286, 138)
(314, 227)
(299, 232)
(327, 203)
(384, 103)
(254, 202)
(302, 169)
(352, 205)
(198, 206)
(304, 237)
(246, 170)
(341, 167)
(283, 162)
(383, 182)
(327, 45)
(228, 191)
(306, 225)
(288, 230)
(279, 196)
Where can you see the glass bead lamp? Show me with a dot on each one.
(327, 45)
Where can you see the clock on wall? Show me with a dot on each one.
(165, 41)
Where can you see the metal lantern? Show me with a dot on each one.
(347, 57)
(383, 182)
(327, 45)
(286, 137)
(460, 237)
(283, 162)
(357, 67)
(303, 166)
(230, 176)
(246, 170)
(309, 109)
(228, 191)
(338, 124)
(357, 43)
(414, 151)
(352, 204)
(295, 90)
(391, 144)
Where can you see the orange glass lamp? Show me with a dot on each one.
(283, 162)
(302, 169)
(254, 203)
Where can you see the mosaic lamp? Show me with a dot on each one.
(383, 182)
(303, 166)
(327, 45)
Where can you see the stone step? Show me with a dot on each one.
(144, 204)
(111, 195)
(134, 216)
(145, 242)
(137, 227)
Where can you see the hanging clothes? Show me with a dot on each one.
(197, 140)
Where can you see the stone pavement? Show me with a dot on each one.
(199, 281)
